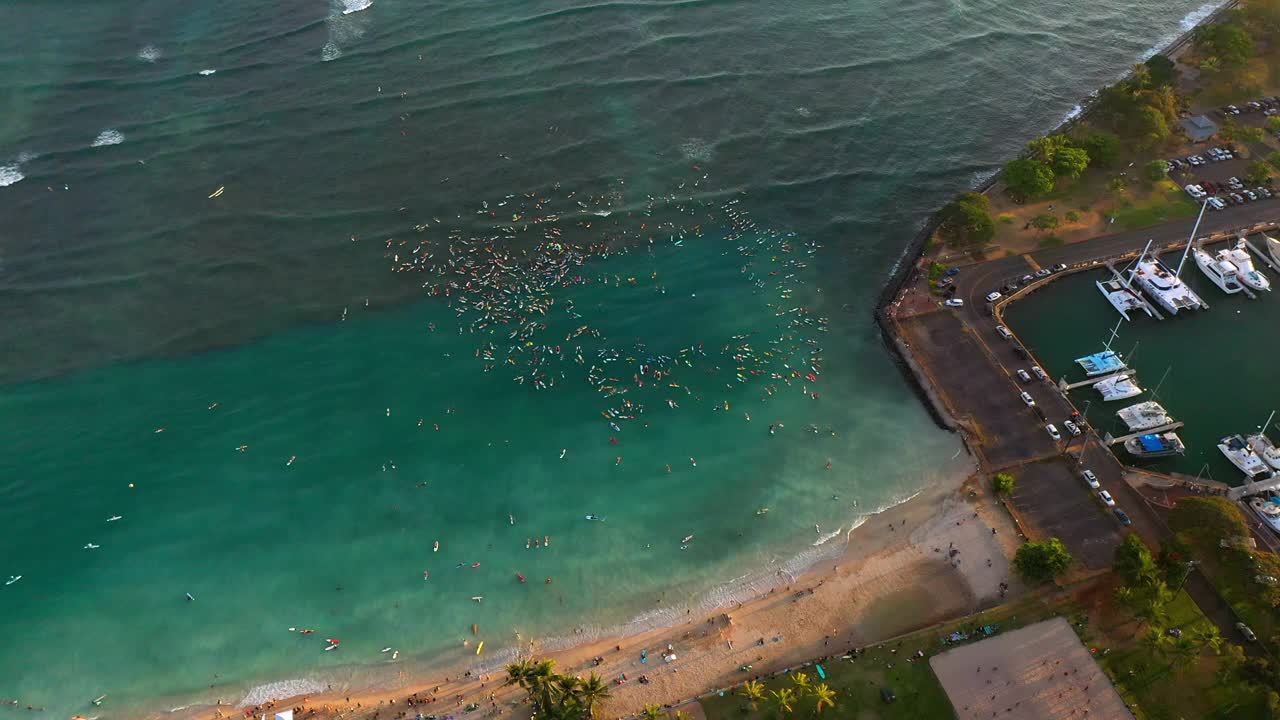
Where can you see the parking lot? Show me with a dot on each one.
(1052, 495)
(975, 388)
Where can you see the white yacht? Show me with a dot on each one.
(1144, 416)
(1269, 510)
(1267, 450)
(1240, 455)
(1246, 273)
(1221, 272)
(1165, 288)
(1154, 446)
(1117, 387)
(1122, 298)
(1101, 363)
(1273, 248)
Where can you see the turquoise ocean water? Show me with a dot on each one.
(698, 199)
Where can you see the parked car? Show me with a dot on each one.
(1003, 332)
(1023, 376)
(1238, 198)
(1231, 110)
(1208, 187)
(1090, 479)
(1216, 204)
(1053, 431)
(1106, 498)
(1058, 268)
(1043, 273)
(954, 302)
(945, 282)
(1026, 279)
(1195, 191)
(1250, 195)
(993, 296)
(1071, 427)
(1264, 192)
(1035, 370)
(1123, 517)
(1246, 632)
(952, 272)
(1026, 398)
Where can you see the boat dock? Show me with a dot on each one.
(1065, 386)
(1109, 440)
(1146, 304)
(1253, 488)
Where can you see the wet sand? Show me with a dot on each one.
(894, 576)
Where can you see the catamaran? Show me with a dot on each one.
(1144, 416)
(1154, 446)
(1117, 387)
(1262, 445)
(1104, 362)
(1121, 297)
(1240, 455)
(1221, 272)
(1164, 286)
(1246, 273)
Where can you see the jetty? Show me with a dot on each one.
(1109, 440)
(1065, 386)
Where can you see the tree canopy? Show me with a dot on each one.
(1257, 173)
(1230, 43)
(1103, 148)
(1208, 518)
(1027, 178)
(1042, 561)
(1045, 221)
(1161, 71)
(1155, 170)
(1134, 563)
(1002, 484)
(966, 222)
(560, 697)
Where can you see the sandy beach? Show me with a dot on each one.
(897, 573)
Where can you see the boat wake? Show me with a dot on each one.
(149, 53)
(10, 174)
(344, 27)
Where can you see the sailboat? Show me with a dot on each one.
(1105, 362)
(1262, 445)
(1165, 286)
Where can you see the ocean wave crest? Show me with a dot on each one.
(1185, 25)
(10, 174)
(108, 137)
(280, 691)
(149, 53)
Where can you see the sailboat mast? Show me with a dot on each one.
(1267, 424)
(1191, 241)
(1134, 268)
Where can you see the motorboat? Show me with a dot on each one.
(1154, 446)
(1221, 272)
(1269, 510)
(1246, 273)
(1117, 387)
(1166, 288)
(1244, 458)
(1144, 416)
(1265, 449)
(1122, 298)
(1101, 363)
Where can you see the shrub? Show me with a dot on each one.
(1155, 171)
(1002, 484)
(1072, 216)
(1042, 561)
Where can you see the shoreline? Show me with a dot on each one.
(864, 575)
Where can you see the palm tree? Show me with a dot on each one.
(651, 712)
(591, 691)
(564, 696)
(754, 692)
(1208, 637)
(825, 696)
(1182, 649)
(520, 673)
(784, 700)
(801, 682)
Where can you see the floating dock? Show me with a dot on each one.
(1109, 440)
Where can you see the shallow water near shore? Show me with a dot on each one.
(298, 373)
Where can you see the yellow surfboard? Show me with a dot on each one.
(479, 647)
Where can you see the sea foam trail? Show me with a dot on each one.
(108, 137)
(10, 174)
(280, 691)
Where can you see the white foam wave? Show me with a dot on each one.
(981, 177)
(696, 149)
(1072, 114)
(824, 538)
(280, 691)
(108, 137)
(149, 53)
(1185, 25)
(10, 174)
(26, 156)
(208, 71)
(355, 6)
(346, 25)
(330, 51)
